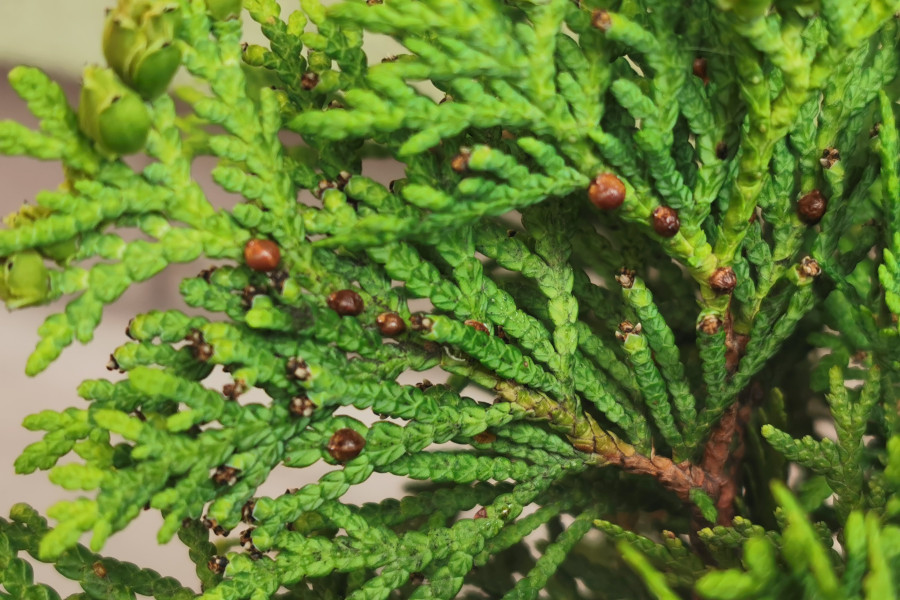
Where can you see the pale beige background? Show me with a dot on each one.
(62, 36)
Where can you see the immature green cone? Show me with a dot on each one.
(222, 10)
(138, 44)
(25, 280)
(60, 252)
(111, 114)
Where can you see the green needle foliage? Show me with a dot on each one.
(648, 252)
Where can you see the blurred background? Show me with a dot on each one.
(61, 37)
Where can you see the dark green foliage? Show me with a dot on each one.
(610, 418)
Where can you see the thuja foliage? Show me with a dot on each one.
(647, 250)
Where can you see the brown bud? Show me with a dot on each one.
(233, 390)
(606, 192)
(829, 157)
(374, 2)
(346, 303)
(481, 513)
(297, 368)
(601, 20)
(626, 328)
(203, 351)
(217, 564)
(699, 69)
(809, 267)
(710, 324)
(301, 406)
(811, 207)
(113, 364)
(345, 444)
(723, 280)
(309, 80)
(665, 221)
(225, 475)
(625, 277)
(419, 322)
(247, 511)
(460, 162)
(262, 255)
(485, 437)
(721, 150)
(476, 325)
(424, 385)
(246, 537)
(390, 324)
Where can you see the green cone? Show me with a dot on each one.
(111, 114)
(25, 280)
(138, 43)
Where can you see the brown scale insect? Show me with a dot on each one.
(501, 333)
(98, 569)
(301, 406)
(481, 513)
(297, 368)
(345, 444)
(390, 324)
(225, 475)
(477, 326)
(309, 80)
(262, 255)
(485, 437)
(723, 280)
(606, 192)
(217, 564)
(811, 207)
(721, 150)
(665, 221)
(346, 303)
(699, 69)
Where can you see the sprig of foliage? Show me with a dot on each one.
(655, 234)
